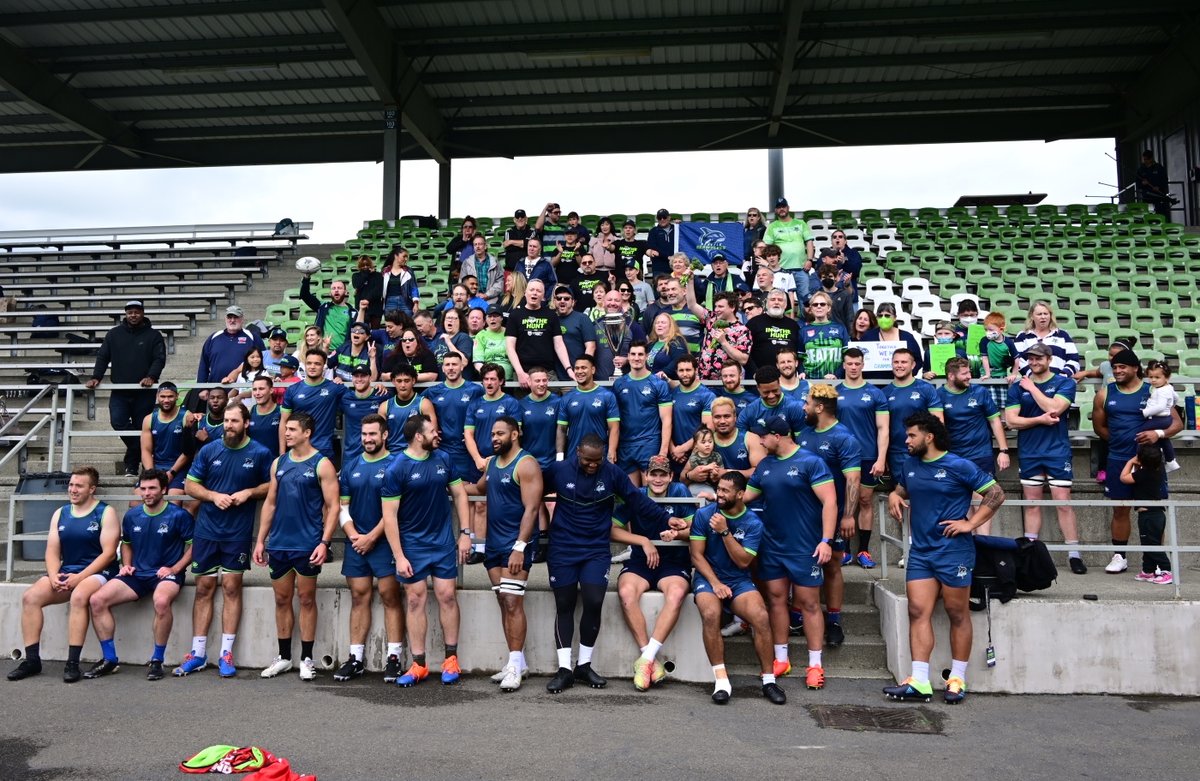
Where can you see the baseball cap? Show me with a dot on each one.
(494, 311)
(289, 361)
(1125, 358)
(277, 333)
(572, 229)
(1040, 349)
(780, 202)
(520, 213)
(829, 252)
(662, 213)
(718, 256)
(135, 304)
(631, 222)
(360, 327)
(659, 464)
(361, 368)
(235, 310)
(776, 424)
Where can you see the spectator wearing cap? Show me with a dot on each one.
(849, 261)
(277, 344)
(795, 239)
(1042, 328)
(358, 350)
(490, 343)
(136, 353)
(573, 221)
(660, 243)
(224, 351)
(515, 238)
(368, 290)
(335, 315)
(550, 227)
(536, 266)
(718, 280)
(486, 269)
(578, 330)
(601, 245)
(629, 249)
(460, 247)
(567, 256)
(289, 368)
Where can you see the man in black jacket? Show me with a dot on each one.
(137, 354)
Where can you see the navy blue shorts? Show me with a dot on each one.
(633, 459)
(1113, 487)
(498, 556)
(1057, 471)
(177, 481)
(144, 586)
(868, 480)
(950, 569)
(740, 586)
(800, 571)
(653, 576)
(464, 467)
(442, 564)
(284, 561)
(377, 563)
(986, 464)
(211, 556)
(106, 574)
(575, 567)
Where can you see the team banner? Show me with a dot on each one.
(701, 240)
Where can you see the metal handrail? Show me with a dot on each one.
(16, 416)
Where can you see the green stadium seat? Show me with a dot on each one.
(1081, 300)
(1064, 285)
(1123, 302)
(1187, 318)
(1105, 286)
(1005, 302)
(1000, 257)
(1161, 270)
(988, 245)
(1147, 354)
(294, 329)
(1012, 272)
(961, 259)
(949, 285)
(1189, 362)
(1183, 285)
(1070, 257)
(702, 217)
(1084, 338)
(1145, 321)
(1169, 340)
(1099, 320)
(1164, 301)
(989, 286)
(974, 273)
(1030, 289)
(277, 313)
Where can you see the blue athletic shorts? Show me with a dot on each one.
(569, 568)
(700, 585)
(282, 562)
(868, 480)
(1034, 468)
(144, 586)
(631, 459)
(464, 467)
(950, 569)
(1113, 487)
(498, 556)
(377, 563)
(210, 556)
(986, 464)
(653, 576)
(178, 480)
(799, 571)
(106, 574)
(442, 564)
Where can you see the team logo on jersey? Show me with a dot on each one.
(824, 447)
(310, 473)
(910, 474)
(216, 462)
(441, 470)
(793, 472)
(163, 528)
(94, 526)
(380, 474)
(914, 396)
(248, 463)
(550, 412)
(865, 398)
(597, 404)
(739, 534)
(324, 392)
(62, 528)
(970, 403)
(939, 474)
(356, 474)
(600, 486)
(692, 404)
(815, 572)
(962, 572)
(646, 391)
(137, 529)
(570, 486)
(505, 480)
(804, 443)
(743, 454)
(810, 332)
(301, 395)
(241, 558)
(465, 399)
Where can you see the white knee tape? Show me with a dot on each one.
(510, 586)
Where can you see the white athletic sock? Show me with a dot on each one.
(768, 678)
(719, 672)
(227, 643)
(1072, 554)
(781, 653)
(722, 685)
(564, 658)
(477, 547)
(522, 665)
(958, 669)
(920, 672)
(357, 651)
(585, 654)
(199, 645)
(814, 658)
(515, 658)
(651, 650)
(395, 649)
(1031, 535)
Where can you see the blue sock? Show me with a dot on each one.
(835, 616)
(160, 651)
(109, 647)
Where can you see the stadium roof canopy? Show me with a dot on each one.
(146, 83)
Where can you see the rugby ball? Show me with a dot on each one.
(308, 265)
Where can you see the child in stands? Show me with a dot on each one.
(1145, 473)
(998, 352)
(1163, 399)
(704, 466)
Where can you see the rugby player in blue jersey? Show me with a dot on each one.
(162, 438)
(936, 486)
(863, 408)
(319, 398)
(295, 530)
(973, 421)
(477, 433)
(512, 483)
(156, 548)
(368, 558)
(588, 409)
(402, 405)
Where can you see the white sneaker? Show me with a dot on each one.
(280, 665)
(1172, 465)
(499, 677)
(734, 628)
(512, 679)
(900, 563)
(623, 556)
(1118, 564)
(308, 670)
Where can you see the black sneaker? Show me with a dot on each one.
(130, 471)
(351, 668)
(102, 668)
(834, 636)
(391, 670)
(154, 670)
(585, 674)
(26, 669)
(563, 679)
(773, 693)
(720, 697)
(476, 557)
(796, 629)
(1077, 565)
(71, 672)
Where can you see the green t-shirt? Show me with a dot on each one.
(790, 236)
(337, 324)
(490, 348)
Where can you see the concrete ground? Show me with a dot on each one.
(127, 728)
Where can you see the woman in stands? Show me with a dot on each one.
(414, 353)
(643, 294)
(863, 321)
(601, 245)
(252, 366)
(453, 338)
(753, 230)
(313, 339)
(667, 348)
(368, 291)
(596, 310)
(886, 330)
(514, 293)
(628, 300)
(399, 287)
(754, 259)
(1042, 328)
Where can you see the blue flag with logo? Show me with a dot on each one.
(701, 240)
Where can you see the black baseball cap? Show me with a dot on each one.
(631, 222)
(780, 202)
(718, 256)
(360, 327)
(361, 368)
(519, 213)
(277, 333)
(829, 252)
(662, 213)
(494, 311)
(289, 361)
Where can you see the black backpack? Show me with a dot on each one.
(1035, 567)
(286, 227)
(994, 576)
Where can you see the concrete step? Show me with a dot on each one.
(860, 656)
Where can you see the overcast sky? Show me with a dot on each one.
(338, 197)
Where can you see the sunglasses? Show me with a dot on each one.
(408, 339)
(816, 304)
(564, 298)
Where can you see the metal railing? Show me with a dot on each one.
(1171, 544)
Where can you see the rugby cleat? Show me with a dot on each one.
(102, 668)
(416, 673)
(910, 690)
(774, 693)
(643, 669)
(834, 636)
(154, 670)
(659, 674)
(734, 628)
(781, 668)
(563, 679)
(225, 665)
(585, 674)
(277, 667)
(451, 672)
(864, 560)
(351, 668)
(71, 672)
(191, 664)
(308, 670)
(512, 679)
(25, 669)
(814, 677)
(391, 670)
(847, 558)
(956, 691)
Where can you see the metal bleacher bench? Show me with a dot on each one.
(185, 288)
(36, 258)
(190, 312)
(17, 279)
(80, 302)
(170, 235)
(96, 330)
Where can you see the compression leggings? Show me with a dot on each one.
(589, 622)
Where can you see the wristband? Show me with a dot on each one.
(519, 546)
(559, 457)
(326, 543)
(826, 540)
(465, 531)
(344, 516)
(1161, 434)
(1004, 451)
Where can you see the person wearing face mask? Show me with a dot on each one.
(966, 316)
(943, 333)
(888, 331)
(841, 298)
